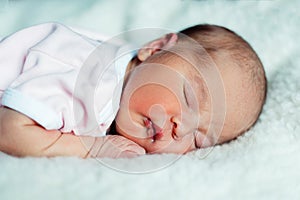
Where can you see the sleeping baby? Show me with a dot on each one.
(65, 94)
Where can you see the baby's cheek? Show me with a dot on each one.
(144, 99)
(126, 124)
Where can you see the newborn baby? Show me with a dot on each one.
(197, 88)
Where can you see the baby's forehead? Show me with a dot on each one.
(194, 75)
(180, 62)
(197, 67)
(190, 68)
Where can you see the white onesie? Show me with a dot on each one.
(62, 79)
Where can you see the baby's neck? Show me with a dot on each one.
(112, 129)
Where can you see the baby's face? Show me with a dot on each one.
(162, 107)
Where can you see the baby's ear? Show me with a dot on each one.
(150, 48)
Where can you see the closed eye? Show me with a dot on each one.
(190, 97)
(185, 95)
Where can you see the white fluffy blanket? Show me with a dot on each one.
(262, 164)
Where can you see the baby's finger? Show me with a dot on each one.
(128, 154)
(135, 148)
(123, 144)
(140, 150)
(119, 147)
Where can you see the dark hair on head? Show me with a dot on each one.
(218, 40)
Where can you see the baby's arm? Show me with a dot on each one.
(21, 136)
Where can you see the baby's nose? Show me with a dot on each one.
(158, 114)
(180, 125)
(184, 125)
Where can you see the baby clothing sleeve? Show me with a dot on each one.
(51, 74)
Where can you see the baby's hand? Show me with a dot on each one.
(115, 146)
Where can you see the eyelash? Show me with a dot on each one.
(185, 96)
(195, 139)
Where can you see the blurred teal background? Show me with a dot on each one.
(269, 25)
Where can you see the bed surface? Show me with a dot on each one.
(262, 164)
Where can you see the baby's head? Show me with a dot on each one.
(200, 87)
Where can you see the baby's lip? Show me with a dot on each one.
(158, 132)
(154, 131)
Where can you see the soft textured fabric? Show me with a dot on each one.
(61, 79)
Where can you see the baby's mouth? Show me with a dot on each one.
(154, 132)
